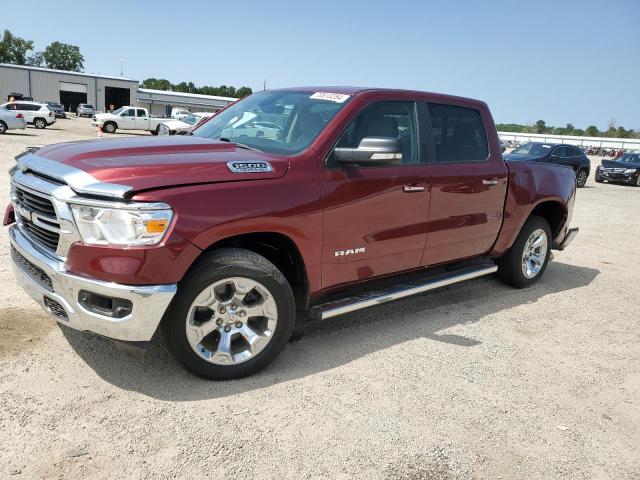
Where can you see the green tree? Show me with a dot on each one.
(592, 131)
(243, 92)
(156, 84)
(63, 56)
(622, 133)
(540, 126)
(14, 49)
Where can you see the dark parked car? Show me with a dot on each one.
(57, 109)
(625, 169)
(554, 153)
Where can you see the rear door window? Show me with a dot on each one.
(140, 112)
(458, 133)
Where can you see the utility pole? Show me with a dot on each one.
(121, 65)
(264, 85)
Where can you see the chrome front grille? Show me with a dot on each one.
(37, 216)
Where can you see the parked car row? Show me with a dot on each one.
(37, 114)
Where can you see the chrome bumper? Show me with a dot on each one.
(148, 302)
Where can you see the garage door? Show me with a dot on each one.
(73, 87)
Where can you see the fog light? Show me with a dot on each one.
(102, 305)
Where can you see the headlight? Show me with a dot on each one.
(115, 226)
(630, 170)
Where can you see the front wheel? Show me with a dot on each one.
(109, 127)
(599, 179)
(232, 315)
(527, 259)
(3, 127)
(581, 178)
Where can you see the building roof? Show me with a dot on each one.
(184, 94)
(82, 74)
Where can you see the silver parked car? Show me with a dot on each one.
(11, 120)
(85, 110)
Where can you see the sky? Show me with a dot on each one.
(563, 61)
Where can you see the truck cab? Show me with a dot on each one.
(289, 205)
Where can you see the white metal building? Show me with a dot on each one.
(160, 102)
(68, 88)
(101, 91)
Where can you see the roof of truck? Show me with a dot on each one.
(347, 90)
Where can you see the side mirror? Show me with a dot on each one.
(371, 151)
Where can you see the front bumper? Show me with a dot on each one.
(46, 280)
(630, 178)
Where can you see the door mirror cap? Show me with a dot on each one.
(371, 151)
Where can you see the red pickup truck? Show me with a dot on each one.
(288, 205)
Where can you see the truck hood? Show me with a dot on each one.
(160, 162)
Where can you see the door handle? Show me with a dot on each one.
(489, 181)
(413, 188)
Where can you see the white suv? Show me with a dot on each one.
(36, 114)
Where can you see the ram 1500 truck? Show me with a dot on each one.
(127, 118)
(339, 199)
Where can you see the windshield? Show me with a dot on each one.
(533, 149)
(279, 122)
(115, 112)
(190, 119)
(630, 158)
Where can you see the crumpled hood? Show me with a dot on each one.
(156, 162)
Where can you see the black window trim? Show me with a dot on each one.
(487, 159)
(419, 143)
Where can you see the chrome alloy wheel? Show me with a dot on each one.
(581, 178)
(534, 253)
(231, 321)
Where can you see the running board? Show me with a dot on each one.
(339, 308)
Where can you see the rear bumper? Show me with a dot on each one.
(46, 280)
(568, 238)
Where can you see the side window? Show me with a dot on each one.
(130, 112)
(458, 134)
(560, 152)
(384, 119)
(140, 112)
(11, 106)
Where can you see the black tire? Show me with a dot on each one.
(637, 184)
(3, 127)
(40, 123)
(510, 267)
(581, 177)
(109, 127)
(599, 179)
(156, 131)
(218, 266)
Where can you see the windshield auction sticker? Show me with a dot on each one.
(332, 97)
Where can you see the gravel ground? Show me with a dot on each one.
(475, 381)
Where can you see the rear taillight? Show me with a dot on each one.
(19, 115)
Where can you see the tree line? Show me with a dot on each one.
(541, 126)
(221, 91)
(57, 55)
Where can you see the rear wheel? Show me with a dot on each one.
(3, 127)
(232, 315)
(39, 123)
(581, 178)
(156, 131)
(527, 259)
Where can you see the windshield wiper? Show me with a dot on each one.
(239, 145)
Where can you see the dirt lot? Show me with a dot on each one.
(476, 381)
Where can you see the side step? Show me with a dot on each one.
(334, 309)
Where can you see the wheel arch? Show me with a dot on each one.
(280, 250)
(554, 212)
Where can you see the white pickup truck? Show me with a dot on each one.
(127, 118)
